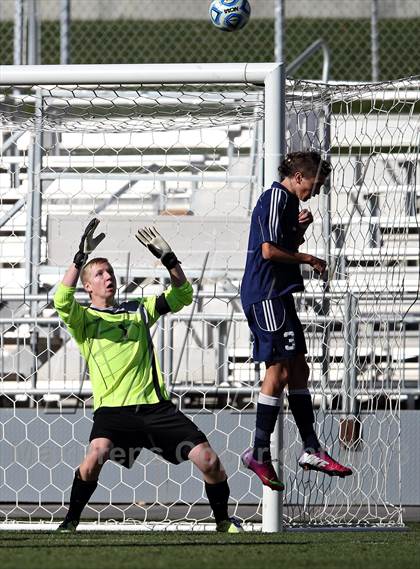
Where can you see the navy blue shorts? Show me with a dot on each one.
(276, 329)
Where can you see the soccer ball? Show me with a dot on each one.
(229, 15)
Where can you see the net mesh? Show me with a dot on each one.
(125, 108)
(189, 159)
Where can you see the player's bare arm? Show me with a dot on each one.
(278, 254)
(178, 277)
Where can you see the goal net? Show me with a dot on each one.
(191, 158)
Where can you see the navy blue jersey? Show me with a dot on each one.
(274, 220)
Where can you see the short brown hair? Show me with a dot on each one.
(86, 269)
(309, 163)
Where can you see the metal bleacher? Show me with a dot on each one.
(197, 186)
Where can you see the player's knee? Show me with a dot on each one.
(98, 454)
(211, 463)
(208, 461)
(277, 375)
(282, 379)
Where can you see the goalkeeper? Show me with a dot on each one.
(132, 408)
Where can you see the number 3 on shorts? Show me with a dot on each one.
(290, 338)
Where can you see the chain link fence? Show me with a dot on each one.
(168, 31)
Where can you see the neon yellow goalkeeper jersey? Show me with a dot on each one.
(117, 345)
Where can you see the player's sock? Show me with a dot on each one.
(81, 492)
(218, 496)
(300, 403)
(267, 412)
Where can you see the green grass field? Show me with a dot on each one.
(310, 550)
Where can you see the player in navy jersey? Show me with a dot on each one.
(272, 275)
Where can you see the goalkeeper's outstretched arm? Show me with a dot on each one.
(67, 308)
(153, 240)
(71, 276)
(180, 293)
(88, 243)
(177, 275)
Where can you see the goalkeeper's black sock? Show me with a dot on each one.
(300, 402)
(81, 492)
(218, 496)
(267, 412)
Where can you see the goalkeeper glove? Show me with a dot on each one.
(153, 240)
(88, 243)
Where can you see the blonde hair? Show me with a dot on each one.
(86, 270)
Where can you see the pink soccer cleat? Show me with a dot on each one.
(323, 462)
(264, 470)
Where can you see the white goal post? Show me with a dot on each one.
(191, 146)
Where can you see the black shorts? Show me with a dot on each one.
(276, 329)
(160, 428)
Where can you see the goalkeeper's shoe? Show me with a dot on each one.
(67, 526)
(264, 470)
(323, 462)
(231, 525)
